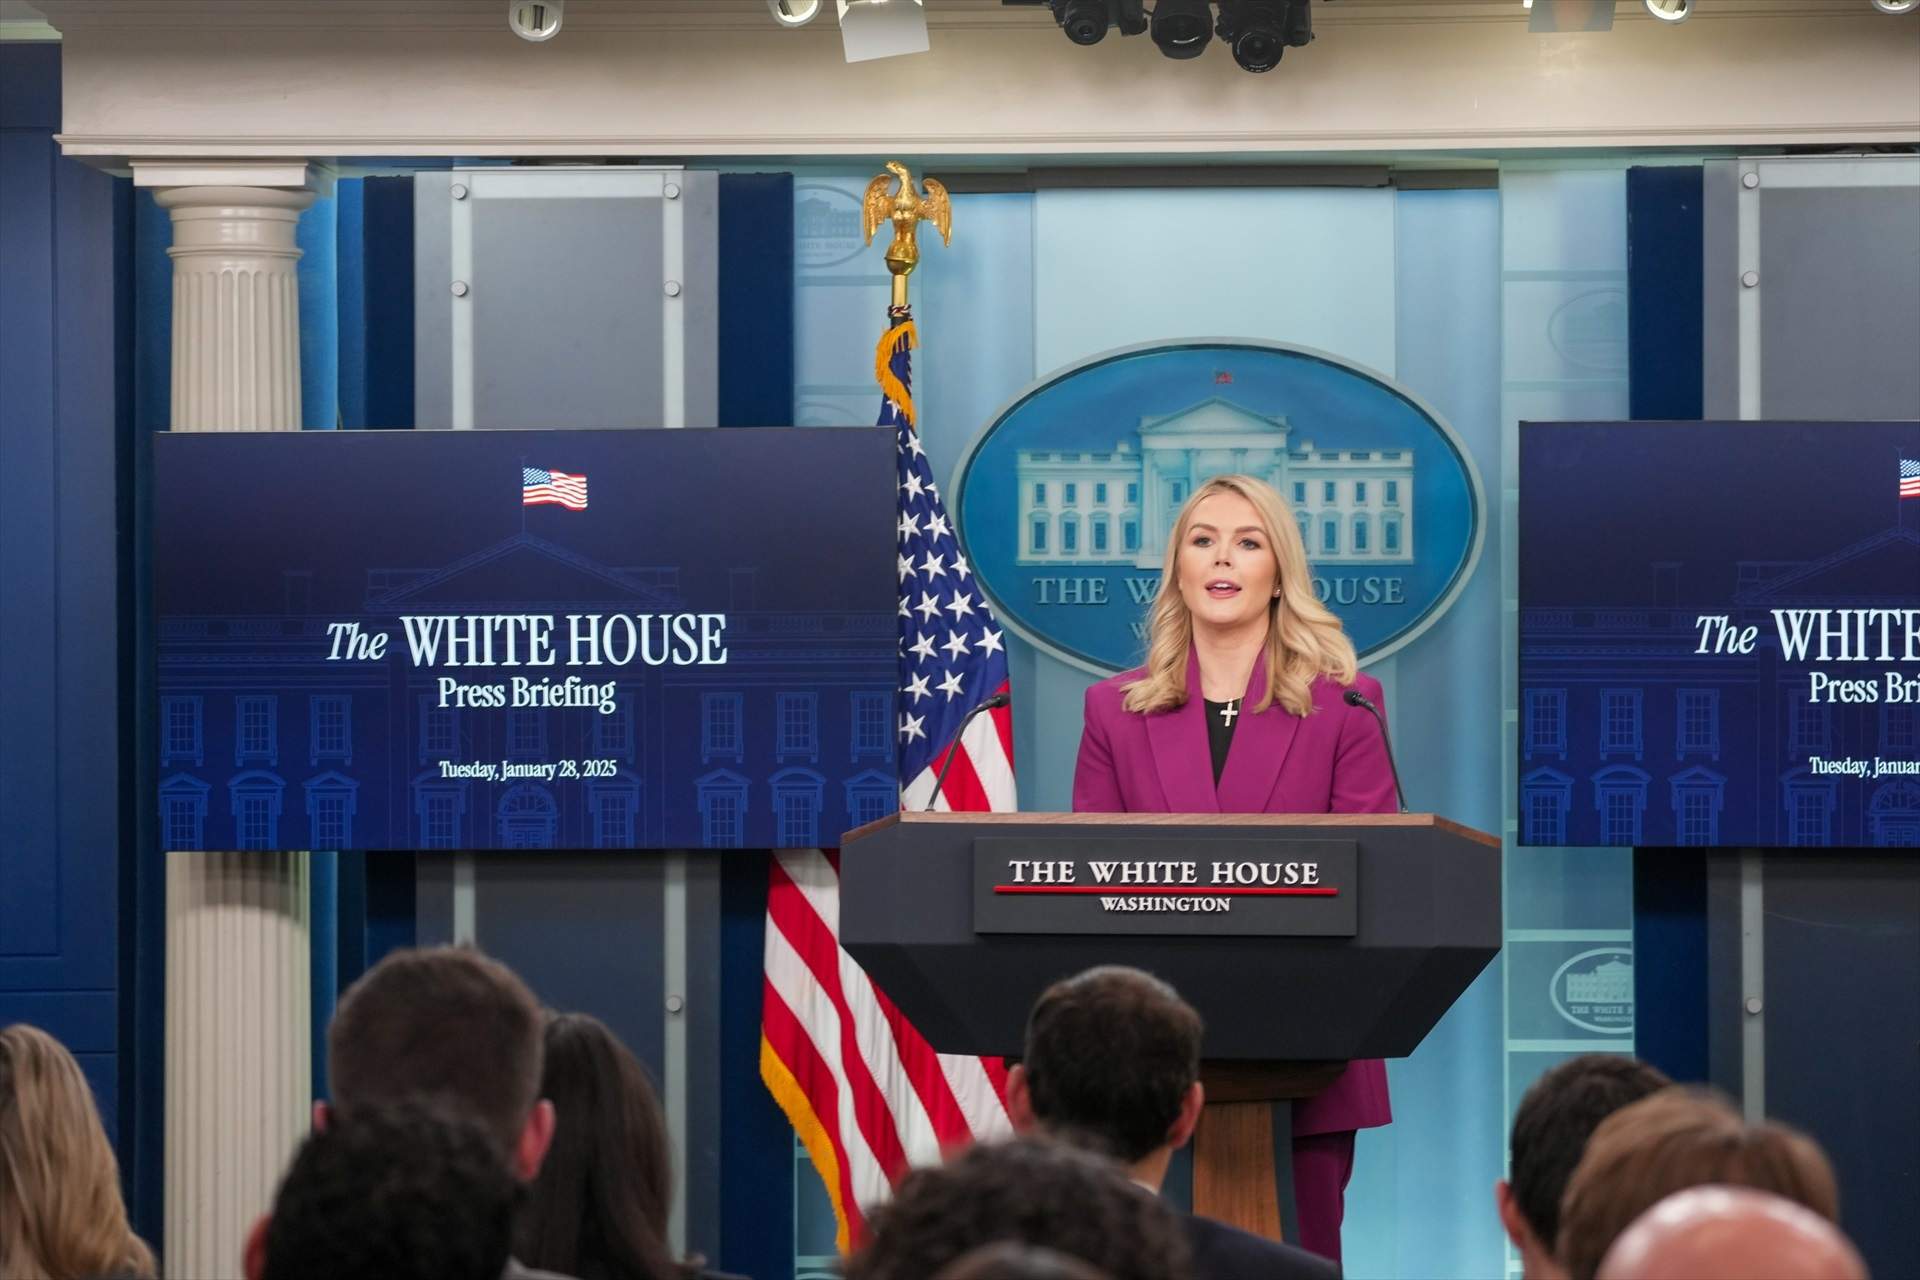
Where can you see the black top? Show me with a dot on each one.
(1221, 717)
(1221, 1252)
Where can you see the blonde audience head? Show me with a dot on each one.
(61, 1214)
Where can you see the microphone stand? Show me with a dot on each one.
(1355, 698)
(997, 700)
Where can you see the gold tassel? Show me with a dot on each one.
(890, 386)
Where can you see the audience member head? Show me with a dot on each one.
(1112, 1061)
(1550, 1131)
(60, 1208)
(1018, 1262)
(1676, 1139)
(598, 1210)
(403, 1189)
(1030, 1191)
(445, 1023)
(1730, 1233)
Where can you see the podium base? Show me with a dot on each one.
(1243, 1147)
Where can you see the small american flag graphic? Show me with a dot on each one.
(538, 486)
(1910, 478)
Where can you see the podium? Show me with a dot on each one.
(1304, 940)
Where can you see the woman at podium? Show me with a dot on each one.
(1240, 709)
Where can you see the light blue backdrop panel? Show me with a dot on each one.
(1420, 1203)
(1563, 302)
(1302, 265)
(1408, 284)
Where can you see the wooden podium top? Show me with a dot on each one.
(1428, 820)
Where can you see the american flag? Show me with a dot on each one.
(539, 486)
(1909, 478)
(867, 1095)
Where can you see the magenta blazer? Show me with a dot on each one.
(1332, 761)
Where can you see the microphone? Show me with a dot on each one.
(1000, 699)
(1355, 698)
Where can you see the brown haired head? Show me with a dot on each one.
(599, 1206)
(1675, 1139)
(445, 1023)
(60, 1207)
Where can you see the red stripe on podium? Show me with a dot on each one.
(1164, 891)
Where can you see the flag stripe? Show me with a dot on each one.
(813, 873)
(957, 1102)
(820, 953)
(988, 742)
(961, 791)
(834, 1031)
(979, 1088)
(796, 1100)
(959, 1098)
(818, 1022)
(947, 1123)
(996, 1073)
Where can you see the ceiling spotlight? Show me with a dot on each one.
(881, 28)
(1569, 15)
(535, 20)
(1181, 27)
(794, 13)
(1670, 10)
(1896, 6)
(1259, 31)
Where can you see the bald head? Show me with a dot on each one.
(1727, 1233)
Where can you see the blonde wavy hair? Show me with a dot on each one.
(60, 1210)
(1304, 638)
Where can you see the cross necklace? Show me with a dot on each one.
(1228, 712)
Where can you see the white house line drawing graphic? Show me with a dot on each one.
(1353, 506)
(1610, 983)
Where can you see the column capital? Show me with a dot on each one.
(233, 225)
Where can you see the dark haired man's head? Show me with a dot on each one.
(1550, 1131)
(599, 1206)
(397, 1190)
(1112, 1060)
(1030, 1191)
(450, 1024)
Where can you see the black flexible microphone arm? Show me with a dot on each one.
(1355, 698)
(997, 700)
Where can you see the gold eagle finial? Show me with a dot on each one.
(904, 207)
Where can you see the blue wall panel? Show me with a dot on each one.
(63, 236)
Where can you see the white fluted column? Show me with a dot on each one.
(239, 1004)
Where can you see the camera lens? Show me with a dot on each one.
(1181, 28)
(1084, 21)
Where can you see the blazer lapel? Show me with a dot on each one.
(1259, 748)
(1180, 753)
